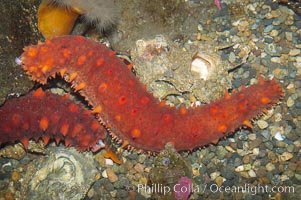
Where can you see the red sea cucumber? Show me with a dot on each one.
(43, 115)
(128, 110)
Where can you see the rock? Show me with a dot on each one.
(63, 174)
(274, 33)
(142, 158)
(111, 175)
(121, 194)
(214, 175)
(298, 177)
(261, 172)
(104, 174)
(230, 149)
(289, 36)
(285, 156)
(290, 102)
(268, 28)
(228, 173)
(270, 167)
(252, 136)
(15, 176)
(256, 151)
(221, 152)
(276, 59)
(294, 52)
(139, 168)
(255, 143)
(278, 136)
(109, 161)
(262, 124)
(232, 57)
(240, 168)
(252, 173)
(219, 181)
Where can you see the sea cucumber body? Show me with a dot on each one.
(43, 115)
(132, 113)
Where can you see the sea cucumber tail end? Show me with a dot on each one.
(43, 115)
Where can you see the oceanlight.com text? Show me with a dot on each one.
(214, 188)
(251, 189)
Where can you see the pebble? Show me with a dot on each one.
(262, 124)
(268, 28)
(122, 194)
(270, 167)
(240, 168)
(111, 175)
(276, 59)
(278, 136)
(221, 152)
(274, 33)
(252, 173)
(230, 149)
(256, 151)
(289, 36)
(219, 181)
(261, 172)
(232, 57)
(104, 174)
(285, 156)
(246, 159)
(142, 158)
(252, 136)
(294, 52)
(139, 167)
(298, 59)
(109, 162)
(255, 143)
(278, 117)
(227, 172)
(290, 102)
(15, 176)
(214, 175)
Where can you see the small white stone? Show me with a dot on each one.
(256, 151)
(18, 61)
(278, 136)
(252, 173)
(109, 161)
(276, 59)
(240, 168)
(104, 174)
